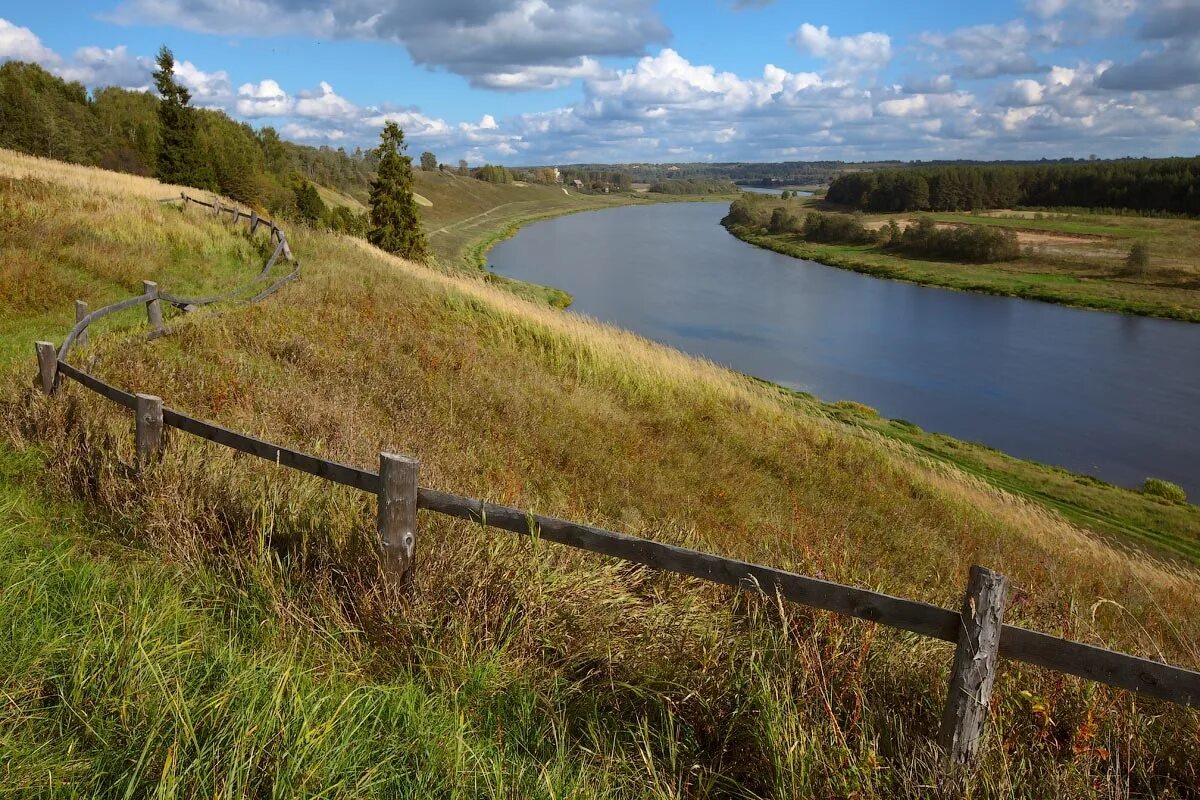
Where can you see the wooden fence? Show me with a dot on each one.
(977, 630)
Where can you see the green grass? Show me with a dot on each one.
(215, 626)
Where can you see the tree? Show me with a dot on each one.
(462, 167)
(395, 223)
(309, 205)
(428, 162)
(1138, 259)
(178, 155)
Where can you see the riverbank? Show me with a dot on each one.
(1076, 258)
(466, 218)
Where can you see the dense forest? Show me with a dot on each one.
(43, 115)
(694, 186)
(1164, 185)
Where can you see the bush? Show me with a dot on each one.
(1156, 487)
(840, 228)
(782, 221)
(1138, 259)
(961, 242)
(741, 212)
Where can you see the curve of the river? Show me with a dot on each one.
(1113, 396)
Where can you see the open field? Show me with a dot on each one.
(181, 630)
(1075, 258)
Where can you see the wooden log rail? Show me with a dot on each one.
(977, 629)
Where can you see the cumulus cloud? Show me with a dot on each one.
(22, 44)
(98, 66)
(990, 50)
(263, 99)
(848, 55)
(494, 43)
(1175, 28)
(324, 103)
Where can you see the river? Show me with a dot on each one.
(1103, 394)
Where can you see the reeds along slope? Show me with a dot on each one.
(655, 686)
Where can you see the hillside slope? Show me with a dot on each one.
(517, 668)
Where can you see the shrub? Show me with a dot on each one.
(782, 221)
(1138, 259)
(960, 242)
(841, 228)
(740, 212)
(1157, 487)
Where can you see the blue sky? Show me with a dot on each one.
(553, 81)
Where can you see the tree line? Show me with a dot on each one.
(162, 135)
(1155, 185)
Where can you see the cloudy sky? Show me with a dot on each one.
(555, 81)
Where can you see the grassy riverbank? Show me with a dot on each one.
(467, 217)
(214, 626)
(1074, 258)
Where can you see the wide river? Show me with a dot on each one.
(1113, 396)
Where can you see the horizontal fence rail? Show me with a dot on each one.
(976, 630)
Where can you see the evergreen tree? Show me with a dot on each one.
(395, 224)
(178, 154)
(309, 205)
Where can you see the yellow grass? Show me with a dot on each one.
(552, 412)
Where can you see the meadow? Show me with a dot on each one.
(215, 626)
(1074, 257)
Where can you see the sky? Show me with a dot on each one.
(565, 81)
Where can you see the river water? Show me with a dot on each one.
(1103, 394)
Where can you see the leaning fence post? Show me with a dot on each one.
(81, 310)
(153, 307)
(974, 668)
(398, 516)
(149, 428)
(253, 222)
(287, 250)
(47, 366)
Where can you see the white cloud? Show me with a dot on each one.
(542, 76)
(848, 55)
(294, 130)
(207, 88)
(263, 99)
(98, 66)
(324, 103)
(22, 44)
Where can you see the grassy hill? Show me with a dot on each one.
(216, 627)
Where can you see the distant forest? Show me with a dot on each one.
(43, 115)
(1161, 185)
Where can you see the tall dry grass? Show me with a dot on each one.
(649, 685)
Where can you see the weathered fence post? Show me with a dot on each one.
(47, 366)
(216, 207)
(81, 310)
(253, 222)
(398, 516)
(153, 307)
(974, 668)
(149, 429)
(237, 215)
(287, 250)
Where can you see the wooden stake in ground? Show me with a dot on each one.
(398, 516)
(149, 427)
(974, 668)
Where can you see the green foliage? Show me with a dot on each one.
(741, 212)
(44, 115)
(694, 186)
(395, 223)
(841, 228)
(309, 206)
(973, 243)
(428, 161)
(1138, 260)
(1141, 184)
(343, 220)
(782, 221)
(494, 173)
(233, 160)
(1164, 489)
(178, 152)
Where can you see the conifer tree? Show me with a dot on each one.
(395, 223)
(178, 151)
